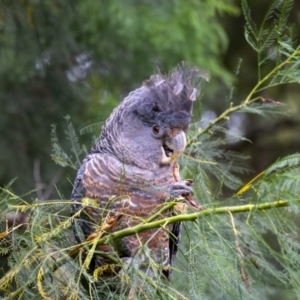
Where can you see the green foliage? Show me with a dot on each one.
(276, 43)
(243, 245)
(58, 154)
(184, 23)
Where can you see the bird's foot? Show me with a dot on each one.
(180, 189)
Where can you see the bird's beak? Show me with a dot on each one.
(173, 147)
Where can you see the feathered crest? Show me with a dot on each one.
(181, 77)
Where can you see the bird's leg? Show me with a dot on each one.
(187, 182)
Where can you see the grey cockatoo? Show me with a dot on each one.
(131, 170)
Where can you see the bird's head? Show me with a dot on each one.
(148, 129)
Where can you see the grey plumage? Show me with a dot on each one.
(133, 161)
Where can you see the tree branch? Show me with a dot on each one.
(247, 101)
(190, 217)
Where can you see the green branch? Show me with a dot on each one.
(223, 116)
(190, 217)
(248, 100)
(270, 74)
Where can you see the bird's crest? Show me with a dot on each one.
(183, 78)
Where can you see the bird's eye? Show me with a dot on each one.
(155, 129)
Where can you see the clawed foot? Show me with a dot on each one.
(181, 189)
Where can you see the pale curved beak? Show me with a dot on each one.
(175, 145)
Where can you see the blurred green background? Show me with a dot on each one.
(80, 58)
